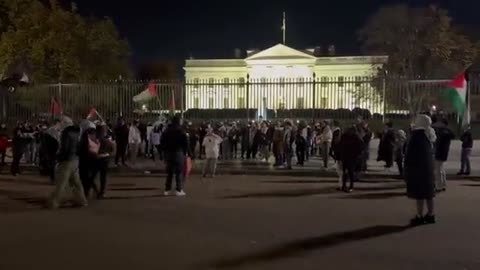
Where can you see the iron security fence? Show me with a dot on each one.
(232, 99)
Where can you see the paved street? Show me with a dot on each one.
(238, 222)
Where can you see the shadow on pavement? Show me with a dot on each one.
(298, 181)
(133, 189)
(285, 193)
(374, 196)
(299, 247)
(134, 197)
(471, 185)
(380, 188)
(26, 181)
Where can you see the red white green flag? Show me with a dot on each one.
(456, 93)
(146, 94)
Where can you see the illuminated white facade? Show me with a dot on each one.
(281, 78)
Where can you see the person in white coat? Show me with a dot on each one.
(134, 141)
(326, 142)
(211, 142)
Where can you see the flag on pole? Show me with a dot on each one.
(55, 108)
(457, 93)
(146, 94)
(92, 113)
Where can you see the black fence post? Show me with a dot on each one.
(314, 98)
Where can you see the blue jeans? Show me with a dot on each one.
(465, 160)
(175, 163)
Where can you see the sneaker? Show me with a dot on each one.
(166, 193)
(417, 221)
(350, 190)
(430, 219)
(180, 193)
(101, 196)
(460, 173)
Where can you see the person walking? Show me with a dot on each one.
(335, 152)
(134, 141)
(67, 172)
(467, 146)
(442, 148)
(89, 157)
(350, 147)
(121, 139)
(419, 170)
(211, 142)
(174, 144)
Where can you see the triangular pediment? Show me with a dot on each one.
(280, 52)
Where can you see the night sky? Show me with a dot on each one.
(177, 29)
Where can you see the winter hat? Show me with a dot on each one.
(422, 121)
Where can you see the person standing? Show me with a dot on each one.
(211, 142)
(193, 139)
(155, 138)
(288, 139)
(66, 172)
(174, 143)
(106, 150)
(419, 170)
(264, 141)
(467, 146)
(134, 141)
(254, 140)
(400, 150)
(245, 134)
(301, 143)
(387, 145)
(278, 145)
(233, 136)
(121, 138)
(18, 148)
(3, 143)
(326, 142)
(442, 148)
(350, 147)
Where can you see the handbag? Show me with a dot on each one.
(188, 167)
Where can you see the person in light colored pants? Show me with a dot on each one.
(133, 149)
(210, 167)
(66, 174)
(440, 176)
(339, 168)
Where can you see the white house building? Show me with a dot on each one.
(281, 77)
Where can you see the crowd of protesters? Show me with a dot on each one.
(76, 155)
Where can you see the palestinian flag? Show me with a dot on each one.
(456, 92)
(146, 95)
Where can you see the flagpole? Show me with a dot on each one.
(284, 28)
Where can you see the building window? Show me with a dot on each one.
(341, 81)
(358, 81)
(241, 103)
(324, 81)
(211, 82)
(241, 82)
(300, 102)
(226, 103)
(211, 103)
(226, 82)
(324, 102)
(196, 83)
(196, 103)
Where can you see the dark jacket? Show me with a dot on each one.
(419, 167)
(387, 146)
(335, 149)
(467, 140)
(442, 144)
(121, 134)
(69, 144)
(351, 147)
(174, 140)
